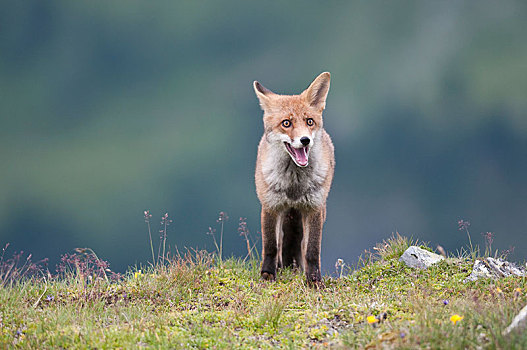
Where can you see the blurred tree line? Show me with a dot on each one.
(109, 108)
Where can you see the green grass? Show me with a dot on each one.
(195, 302)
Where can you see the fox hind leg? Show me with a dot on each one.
(292, 239)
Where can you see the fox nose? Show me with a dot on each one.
(305, 140)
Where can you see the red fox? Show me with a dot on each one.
(294, 170)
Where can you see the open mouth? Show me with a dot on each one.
(299, 155)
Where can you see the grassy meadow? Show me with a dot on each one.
(197, 300)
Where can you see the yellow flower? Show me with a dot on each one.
(498, 289)
(455, 318)
(137, 274)
(372, 319)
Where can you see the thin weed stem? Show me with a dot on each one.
(244, 231)
(165, 221)
(100, 264)
(221, 219)
(212, 233)
(221, 241)
(164, 238)
(147, 220)
(41, 295)
(463, 226)
(469, 240)
(219, 247)
(158, 252)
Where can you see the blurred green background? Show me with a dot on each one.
(109, 108)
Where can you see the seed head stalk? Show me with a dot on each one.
(221, 240)
(165, 221)
(463, 226)
(221, 219)
(147, 220)
(164, 237)
(244, 231)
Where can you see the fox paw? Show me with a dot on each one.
(268, 276)
(316, 284)
(315, 281)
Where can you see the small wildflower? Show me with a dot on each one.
(372, 319)
(456, 318)
(339, 264)
(148, 216)
(242, 227)
(50, 298)
(517, 293)
(165, 220)
(402, 335)
(463, 225)
(445, 302)
(489, 238)
(498, 289)
(222, 217)
(137, 274)
(20, 334)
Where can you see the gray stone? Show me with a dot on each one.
(494, 268)
(519, 321)
(420, 258)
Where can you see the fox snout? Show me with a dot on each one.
(302, 141)
(299, 149)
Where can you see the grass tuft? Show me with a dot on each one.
(393, 247)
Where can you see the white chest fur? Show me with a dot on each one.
(290, 185)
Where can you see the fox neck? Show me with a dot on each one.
(290, 184)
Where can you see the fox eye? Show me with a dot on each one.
(286, 123)
(310, 121)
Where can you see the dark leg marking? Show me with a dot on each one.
(314, 223)
(269, 245)
(292, 244)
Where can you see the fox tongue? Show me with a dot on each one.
(300, 155)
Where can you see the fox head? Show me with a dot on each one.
(294, 121)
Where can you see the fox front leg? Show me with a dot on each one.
(269, 245)
(314, 222)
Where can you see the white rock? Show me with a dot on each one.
(519, 321)
(420, 258)
(494, 268)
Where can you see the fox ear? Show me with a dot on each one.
(317, 92)
(263, 94)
